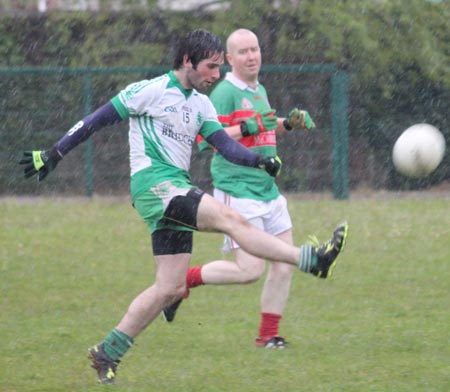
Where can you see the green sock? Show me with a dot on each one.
(308, 258)
(116, 344)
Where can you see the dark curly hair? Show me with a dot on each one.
(197, 45)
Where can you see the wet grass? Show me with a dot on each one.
(69, 269)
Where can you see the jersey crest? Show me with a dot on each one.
(246, 104)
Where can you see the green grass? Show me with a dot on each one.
(70, 268)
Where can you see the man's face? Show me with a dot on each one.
(206, 73)
(245, 56)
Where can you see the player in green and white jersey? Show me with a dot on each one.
(245, 112)
(165, 115)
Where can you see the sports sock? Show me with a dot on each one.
(116, 344)
(269, 325)
(308, 258)
(194, 277)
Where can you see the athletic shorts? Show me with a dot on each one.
(270, 216)
(152, 204)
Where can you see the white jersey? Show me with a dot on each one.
(164, 120)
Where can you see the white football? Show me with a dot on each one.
(418, 151)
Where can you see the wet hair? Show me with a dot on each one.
(197, 45)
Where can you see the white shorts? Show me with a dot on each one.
(270, 216)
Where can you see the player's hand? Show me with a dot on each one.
(271, 165)
(298, 119)
(39, 162)
(259, 122)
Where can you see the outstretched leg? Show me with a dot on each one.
(217, 217)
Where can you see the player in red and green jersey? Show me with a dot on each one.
(244, 110)
(236, 104)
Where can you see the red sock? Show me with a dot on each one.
(193, 278)
(269, 325)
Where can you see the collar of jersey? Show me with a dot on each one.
(239, 83)
(174, 82)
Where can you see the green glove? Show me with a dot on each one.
(40, 162)
(271, 165)
(259, 122)
(298, 119)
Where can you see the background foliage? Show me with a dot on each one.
(397, 53)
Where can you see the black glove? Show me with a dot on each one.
(271, 165)
(40, 162)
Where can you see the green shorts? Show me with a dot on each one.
(151, 204)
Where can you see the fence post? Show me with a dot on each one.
(89, 144)
(339, 130)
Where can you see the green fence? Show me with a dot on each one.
(282, 89)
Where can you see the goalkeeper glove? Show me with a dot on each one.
(271, 165)
(40, 162)
(298, 119)
(259, 122)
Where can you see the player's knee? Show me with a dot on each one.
(170, 294)
(252, 272)
(174, 296)
(280, 271)
(234, 219)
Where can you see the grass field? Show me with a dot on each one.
(69, 269)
